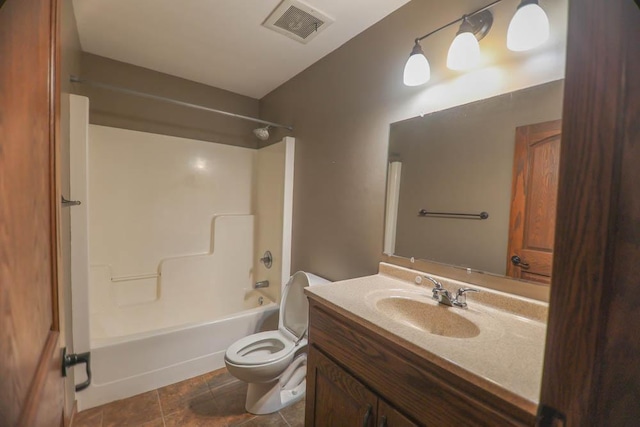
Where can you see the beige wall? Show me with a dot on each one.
(461, 160)
(70, 56)
(341, 108)
(119, 110)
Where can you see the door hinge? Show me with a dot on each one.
(69, 360)
(550, 417)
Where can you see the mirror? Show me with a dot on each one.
(460, 162)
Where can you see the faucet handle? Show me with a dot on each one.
(462, 291)
(461, 297)
(437, 284)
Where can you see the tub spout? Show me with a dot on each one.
(261, 284)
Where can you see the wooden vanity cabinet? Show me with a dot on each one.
(357, 376)
(337, 399)
(390, 417)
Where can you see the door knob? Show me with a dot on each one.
(518, 262)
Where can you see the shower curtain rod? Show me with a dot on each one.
(76, 79)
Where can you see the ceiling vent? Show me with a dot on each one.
(298, 21)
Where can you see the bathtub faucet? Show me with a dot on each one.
(261, 284)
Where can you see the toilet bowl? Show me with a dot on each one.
(274, 363)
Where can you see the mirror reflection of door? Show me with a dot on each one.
(533, 201)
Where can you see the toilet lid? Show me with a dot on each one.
(294, 308)
(260, 349)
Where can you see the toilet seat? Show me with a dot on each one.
(266, 360)
(270, 347)
(261, 348)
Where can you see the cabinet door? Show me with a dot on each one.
(335, 398)
(389, 417)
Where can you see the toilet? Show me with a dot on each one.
(274, 363)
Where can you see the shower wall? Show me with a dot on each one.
(169, 218)
(154, 196)
(274, 206)
(170, 229)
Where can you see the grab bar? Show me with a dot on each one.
(140, 277)
(481, 215)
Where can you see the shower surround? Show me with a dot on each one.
(165, 252)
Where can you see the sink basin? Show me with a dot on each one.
(427, 316)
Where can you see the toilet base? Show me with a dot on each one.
(289, 388)
(260, 402)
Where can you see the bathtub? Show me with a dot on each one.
(163, 262)
(128, 365)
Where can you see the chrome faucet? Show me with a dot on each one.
(443, 296)
(440, 294)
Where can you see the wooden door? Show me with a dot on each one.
(31, 384)
(335, 398)
(533, 201)
(591, 373)
(389, 417)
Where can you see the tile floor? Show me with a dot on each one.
(213, 399)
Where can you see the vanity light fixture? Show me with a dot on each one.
(529, 28)
(417, 70)
(464, 52)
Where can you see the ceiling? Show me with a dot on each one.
(220, 43)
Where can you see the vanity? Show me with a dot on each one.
(470, 201)
(383, 352)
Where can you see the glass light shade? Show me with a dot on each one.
(529, 28)
(464, 52)
(417, 70)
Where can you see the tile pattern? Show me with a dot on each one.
(214, 399)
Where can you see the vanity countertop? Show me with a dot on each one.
(505, 358)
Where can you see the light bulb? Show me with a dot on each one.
(529, 27)
(464, 52)
(417, 70)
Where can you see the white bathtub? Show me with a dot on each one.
(133, 364)
(163, 262)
